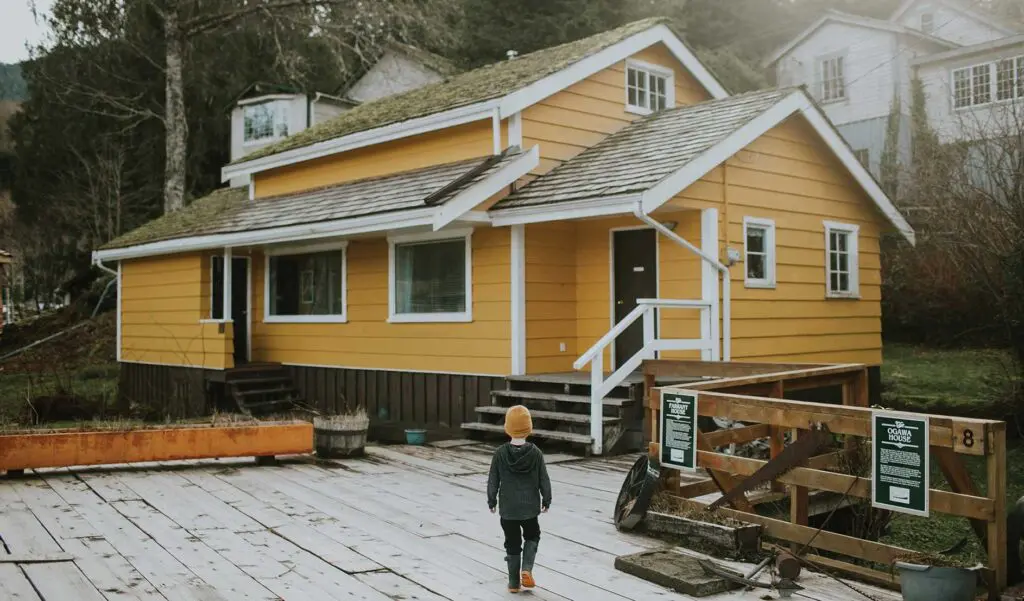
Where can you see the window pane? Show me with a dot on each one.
(834, 281)
(1020, 77)
(833, 263)
(844, 262)
(631, 78)
(308, 284)
(756, 267)
(961, 88)
(844, 283)
(632, 96)
(217, 288)
(982, 79)
(430, 277)
(840, 238)
(1004, 79)
(755, 239)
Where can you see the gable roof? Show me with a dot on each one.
(994, 45)
(229, 211)
(961, 8)
(835, 16)
(434, 62)
(498, 90)
(653, 159)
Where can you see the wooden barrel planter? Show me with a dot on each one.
(336, 436)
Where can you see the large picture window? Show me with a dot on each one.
(306, 286)
(430, 279)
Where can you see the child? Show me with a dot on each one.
(520, 478)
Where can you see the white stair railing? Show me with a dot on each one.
(647, 309)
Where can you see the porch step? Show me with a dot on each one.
(262, 388)
(562, 398)
(549, 434)
(576, 418)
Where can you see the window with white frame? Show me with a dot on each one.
(999, 81)
(265, 121)
(430, 278)
(759, 252)
(649, 88)
(833, 78)
(306, 286)
(927, 22)
(841, 270)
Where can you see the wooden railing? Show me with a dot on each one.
(770, 416)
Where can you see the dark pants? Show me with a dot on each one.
(516, 531)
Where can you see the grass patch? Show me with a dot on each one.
(975, 382)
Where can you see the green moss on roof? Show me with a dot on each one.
(192, 219)
(433, 61)
(478, 85)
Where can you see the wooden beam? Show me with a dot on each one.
(959, 479)
(723, 479)
(996, 479)
(795, 374)
(850, 570)
(720, 438)
(777, 435)
(698, 489)
(46, 558)
(725, 369)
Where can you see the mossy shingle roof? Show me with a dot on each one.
(470, 87)
(229, 210)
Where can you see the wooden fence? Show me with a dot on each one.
(770, 416)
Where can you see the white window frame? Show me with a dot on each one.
(853, 249)
(649, 69)
(282, 110)
(279, 251)
(1017, 85)
(768, 225)
(822, 76)
(443, 236)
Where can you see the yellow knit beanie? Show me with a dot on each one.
(518, 423)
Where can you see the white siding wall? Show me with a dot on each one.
(325, 111)
(870, 71)
(970, 122)
(951, 25)
(392, 74)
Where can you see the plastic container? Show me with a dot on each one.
(415, 437)
(930, 583)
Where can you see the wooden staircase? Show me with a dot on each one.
(261, 388)
(560, 406)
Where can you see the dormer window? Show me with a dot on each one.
(649, 88)
(265, 121)
(927, 22)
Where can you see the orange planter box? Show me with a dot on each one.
(26, 450)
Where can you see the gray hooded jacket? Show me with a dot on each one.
(519, 478)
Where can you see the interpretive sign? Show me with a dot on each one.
(900, 462)
(679, 429)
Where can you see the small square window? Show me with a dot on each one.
(759, 252)
(927, 22)
(841, 269)
(265, 121)
(430, 279)
(648, 88)
(833, 79)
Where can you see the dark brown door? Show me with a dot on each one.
(635, 268)
(240, 308)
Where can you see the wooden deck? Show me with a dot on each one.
(403, 523)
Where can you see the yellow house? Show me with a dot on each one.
(573, 210)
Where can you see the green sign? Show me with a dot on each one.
(679, 429)
(899, 462)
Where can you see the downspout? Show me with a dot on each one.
(638, 211)
(99, 263)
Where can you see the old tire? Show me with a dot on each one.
(636, 494)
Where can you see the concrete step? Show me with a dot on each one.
(549, 434)
(575, 418)
(526, 395)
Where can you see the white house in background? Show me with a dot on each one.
(264, 118)
(861, 69)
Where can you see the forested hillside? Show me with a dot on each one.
(12, 85)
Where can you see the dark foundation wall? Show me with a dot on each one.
(163, 391)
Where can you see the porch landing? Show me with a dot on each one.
(402, 523)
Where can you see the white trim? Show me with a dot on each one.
(559, 211)
(388, 369)
(469, 198)
(310, 231)
(518, 299)
(454, 317)
(798, 101)
(768, 225)
(119, 315)
(709, 284)
(669, 75)
(300, 249)
(515, 129)
(248, 308)
(226, 281)
(248, 297)
(386, 133)
(852, 250)
(495, 132)
(266, 98)
(611, 279)
(252, 189)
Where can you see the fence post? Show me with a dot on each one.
(777, 437)
(596, 402)
(996, 539)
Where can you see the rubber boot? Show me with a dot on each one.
(529, 554)
(513, 573)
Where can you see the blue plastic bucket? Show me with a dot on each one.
(416, 437)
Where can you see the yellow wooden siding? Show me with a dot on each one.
(368, 341)
(791, 177)
(162, 305)
(435, 148)
(567, 123)
(551, 297)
